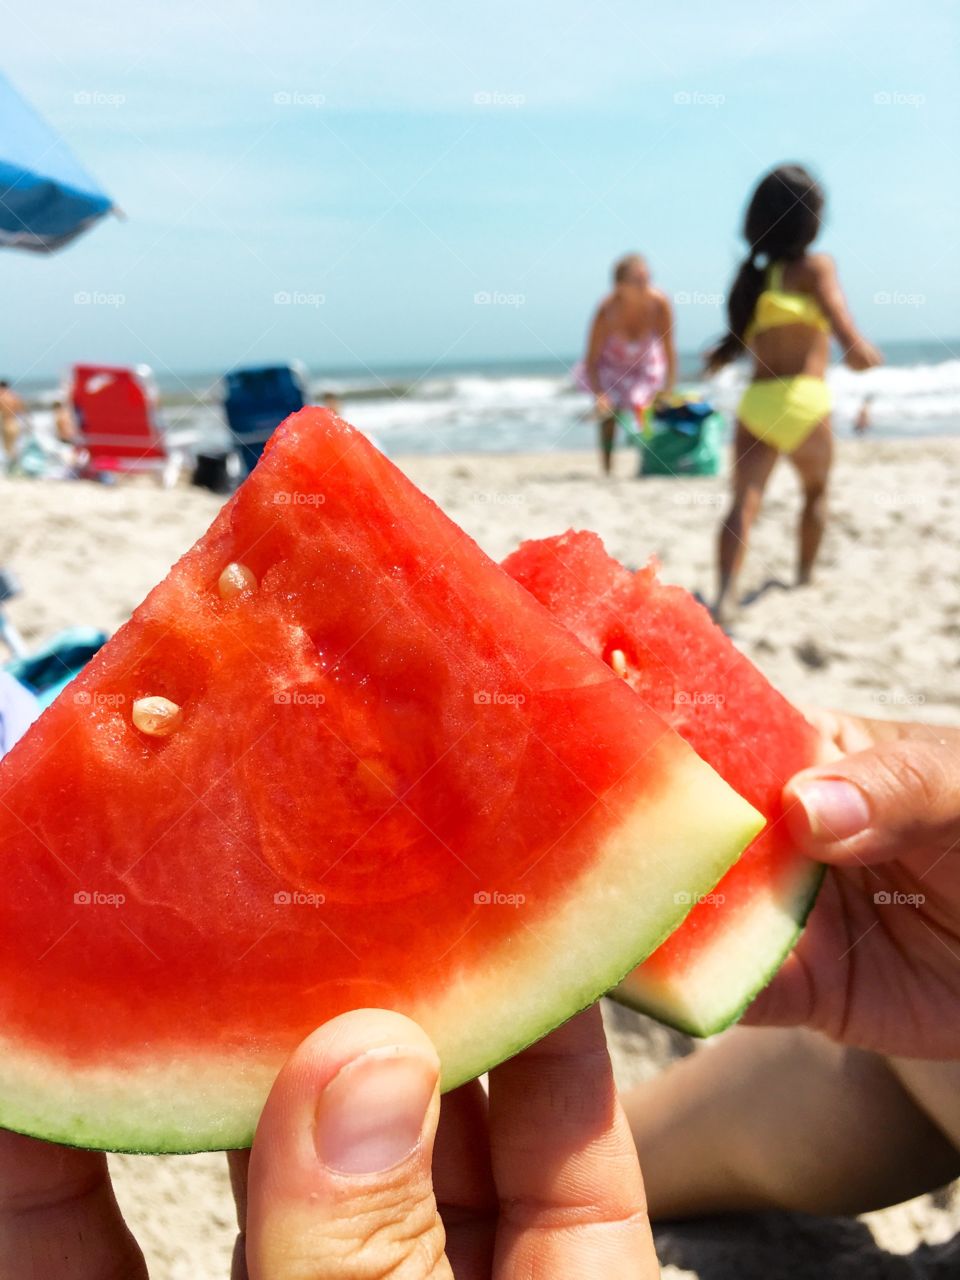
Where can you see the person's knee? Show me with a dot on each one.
(815, 498)
(746, 505)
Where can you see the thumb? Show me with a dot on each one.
(897, 798)
(340, 1179)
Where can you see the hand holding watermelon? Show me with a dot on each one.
(877, 969)
(344, 1176)
(879, 964)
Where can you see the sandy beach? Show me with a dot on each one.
(876, 633)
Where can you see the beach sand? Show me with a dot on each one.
(876, 633)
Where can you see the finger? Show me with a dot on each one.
(805, 990)
(463, 1182)
(901, 796)
(462, 1178)
(571, 1195)
(59, 1219)
(339, 1182)
(238, 1164)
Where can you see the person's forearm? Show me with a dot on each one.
(847, 336)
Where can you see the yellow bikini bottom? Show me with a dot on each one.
(783, 411)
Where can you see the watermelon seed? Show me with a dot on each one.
(235, 580)
(618, 660)
(156, 716)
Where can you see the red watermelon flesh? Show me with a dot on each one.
(388, 778)
(688, 671)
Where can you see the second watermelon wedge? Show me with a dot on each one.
(685, 669)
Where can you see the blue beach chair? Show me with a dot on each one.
(256, 401)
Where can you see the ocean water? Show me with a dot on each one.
(526, 406)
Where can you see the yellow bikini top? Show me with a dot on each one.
(776, 307)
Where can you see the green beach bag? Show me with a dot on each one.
(683, 437)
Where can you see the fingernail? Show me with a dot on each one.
(835, 809)
(370, 1116)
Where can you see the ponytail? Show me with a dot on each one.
(782, 221)
(741, 303)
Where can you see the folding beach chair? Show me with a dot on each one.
(117, 421)
(256, 401)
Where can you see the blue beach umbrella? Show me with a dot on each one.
(46, 197)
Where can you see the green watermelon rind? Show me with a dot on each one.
(651, 944)
(663, 854)
(805, 901)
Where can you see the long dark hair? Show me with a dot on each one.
(782, 221)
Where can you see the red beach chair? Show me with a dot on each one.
(116, 417)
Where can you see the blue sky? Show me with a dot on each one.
(382, 164)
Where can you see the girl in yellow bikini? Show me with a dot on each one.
(783, 308)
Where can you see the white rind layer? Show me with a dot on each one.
(675, 845)
(725, 977)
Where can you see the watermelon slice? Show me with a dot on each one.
(688, 671)
(338, 758)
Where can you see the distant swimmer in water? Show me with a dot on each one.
(862, 422)
(11, 413)
(631, 357)
(783, 308)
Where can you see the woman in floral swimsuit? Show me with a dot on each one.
(631, 356)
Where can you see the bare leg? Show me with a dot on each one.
(753, 461)
(812, 461)
(608, 434)
(783, 1119)
(11, 430)
(935, 1088)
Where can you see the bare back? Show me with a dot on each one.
(791, 349)
(633, 318)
